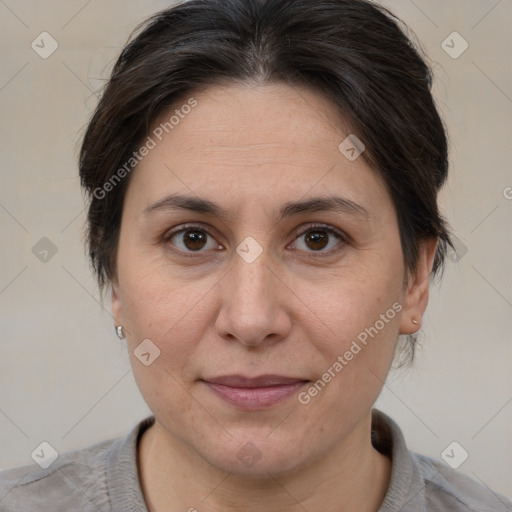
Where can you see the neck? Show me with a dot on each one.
(353, 476)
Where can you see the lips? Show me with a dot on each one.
(240, 381)
(254, 393)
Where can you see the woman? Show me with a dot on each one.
(263, 180)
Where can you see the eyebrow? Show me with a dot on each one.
(207, 207)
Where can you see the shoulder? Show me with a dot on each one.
(448, 489)
(424, 484)
(77, 480)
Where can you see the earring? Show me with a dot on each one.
(415, 321)
(119, 332)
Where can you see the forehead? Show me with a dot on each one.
(257, 141)
(261, 119)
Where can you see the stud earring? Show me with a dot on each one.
(415, 321)
(119, 332)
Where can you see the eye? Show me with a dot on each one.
(195, 239)
(319, 237)
(191, 239)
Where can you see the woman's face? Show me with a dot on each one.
(260, 282)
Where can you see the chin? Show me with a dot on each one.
(251, 462)
(255, 456)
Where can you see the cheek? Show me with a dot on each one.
(349, 301)
(166, 314)
(354, 325)
(152, 300)
(170, 311)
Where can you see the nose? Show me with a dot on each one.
(254, 304)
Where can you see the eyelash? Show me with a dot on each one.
(313, 254)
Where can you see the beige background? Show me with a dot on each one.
(64, 376)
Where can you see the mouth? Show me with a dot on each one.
(254, 393)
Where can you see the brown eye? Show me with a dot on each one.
(323, 240)
(191, 239)
(194, 240)
(317, 240)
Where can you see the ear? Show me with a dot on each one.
(416, 295)
(116, 303)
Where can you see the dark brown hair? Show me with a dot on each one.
(352, 51)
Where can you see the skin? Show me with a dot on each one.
(250, 149)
